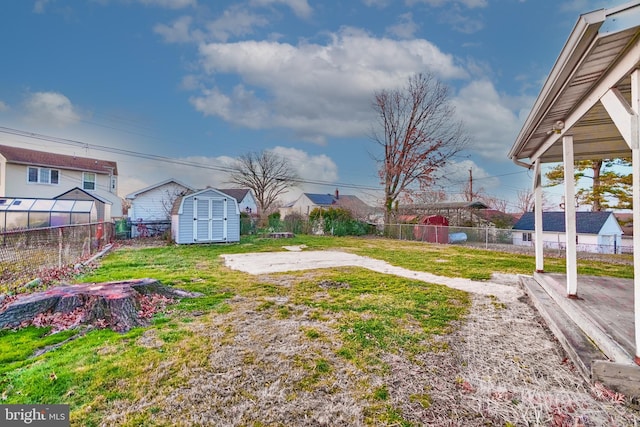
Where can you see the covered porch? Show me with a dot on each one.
(588, 109)
(596, 329)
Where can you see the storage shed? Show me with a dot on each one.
(206, 216)
(432, 228)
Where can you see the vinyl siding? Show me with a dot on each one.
(184, 232)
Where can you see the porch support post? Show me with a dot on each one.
(635, 159)
(627, 119)
(537, 212)
(570, 216)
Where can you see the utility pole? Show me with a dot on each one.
(470, 185)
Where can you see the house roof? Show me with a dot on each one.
(321, 199)
(24, 156)
(80, 190)
(347, 201)
(159, 184)
(353, 204)
(601, 53)
(626, 223)
(237, 193)
(586, 222)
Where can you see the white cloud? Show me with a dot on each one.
(376, 3)
(471, 4)
(50, 108)
(300, 7)
(582, 6)
(3, 107)
(315, 90)
(177, 32)
(39, 6)
(235, 21)
(314, 168)
(456, 175)
(143, 173)
(489, 119)
(462, 22)
(406, 28)
(170, 4)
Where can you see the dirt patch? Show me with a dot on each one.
(500, 366)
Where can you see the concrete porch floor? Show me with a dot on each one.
(596, 329)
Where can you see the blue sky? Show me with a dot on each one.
(206, 81)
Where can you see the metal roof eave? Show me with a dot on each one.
(590, 36)
(578, 43)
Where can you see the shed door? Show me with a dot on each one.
(210, 219)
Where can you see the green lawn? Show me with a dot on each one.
(371, 313)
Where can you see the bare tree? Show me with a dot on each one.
(169, 198)
(419, 134)
(267, 174)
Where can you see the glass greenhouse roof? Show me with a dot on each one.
(46, 205)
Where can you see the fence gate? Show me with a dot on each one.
(210, 219)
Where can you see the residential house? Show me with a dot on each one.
(153, 204)
(246, 201)
(597, 232)
(625, 219)
(307, 202)
(45, 175)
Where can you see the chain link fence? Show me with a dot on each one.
(35, 253)
(498, 239)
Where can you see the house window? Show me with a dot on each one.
(88, 181)
(526, 237)
(43, 175)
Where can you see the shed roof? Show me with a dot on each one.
(586, 222)
(445, 205)
(601, 53)
(154, 186)
(25, 156)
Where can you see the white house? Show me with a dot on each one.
(596, 231)
(206, 216)
(154, 203)
(44, 175)
(246, 201)
(307, 202)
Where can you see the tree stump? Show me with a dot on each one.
(118, 305)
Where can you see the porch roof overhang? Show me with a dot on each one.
(597, 61)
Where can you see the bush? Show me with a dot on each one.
(294, 223)
(274, 222)
(337, 222)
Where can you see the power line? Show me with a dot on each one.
(174, 161)
(155, 157)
